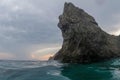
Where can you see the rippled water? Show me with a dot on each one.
(52, 70)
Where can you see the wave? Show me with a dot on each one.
(31, 70)
(27, 64)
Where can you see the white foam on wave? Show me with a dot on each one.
(116, 74)
(57, 73)
(115, 66)
(116, 62)
(54, 63)
(54, 72)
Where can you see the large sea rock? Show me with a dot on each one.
(83, 40)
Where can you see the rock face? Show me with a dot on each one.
(83, 40)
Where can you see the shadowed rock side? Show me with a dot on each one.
(83, 40)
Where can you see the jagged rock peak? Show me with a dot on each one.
(76, 14)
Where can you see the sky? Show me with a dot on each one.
(28, 28)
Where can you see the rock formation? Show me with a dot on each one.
(83, 40)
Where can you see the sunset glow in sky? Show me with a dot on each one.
(44, 54)
(28, 28)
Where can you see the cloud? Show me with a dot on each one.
(100, 2)
(6, 56)
(44, 57)
(116, 30)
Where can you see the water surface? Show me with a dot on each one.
(52, 70)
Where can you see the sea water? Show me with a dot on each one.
(52, 70)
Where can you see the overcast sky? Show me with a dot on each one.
(28, 28)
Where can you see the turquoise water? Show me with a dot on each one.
(52, 70)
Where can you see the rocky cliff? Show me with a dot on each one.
(83, 40)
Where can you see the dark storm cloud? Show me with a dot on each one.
(28, 23)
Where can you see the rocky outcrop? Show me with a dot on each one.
(83, 40)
